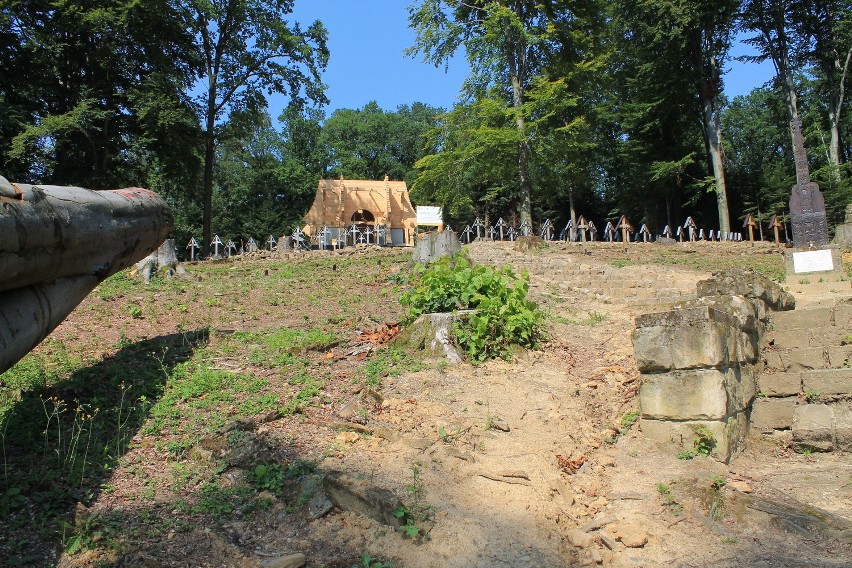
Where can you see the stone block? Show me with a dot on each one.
(687, 338)
(812, 318)
(843, 235)
(840, 357)
(828, 381)
(729, 434)
(813, 426)
(843, 315)
(807, 358)
(772, 359)
(741, 388)
(684, 395)
(747, 347)
(749, 284)
(790, 338)
(780, 384)
(843, 427)
(768, 414)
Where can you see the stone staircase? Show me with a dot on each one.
(568, 272)
(805, 388)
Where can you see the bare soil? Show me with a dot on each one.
(522, 463)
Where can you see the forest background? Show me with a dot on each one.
(582, 107)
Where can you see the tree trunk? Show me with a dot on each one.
(713, 130)
(517, 72)
(835, 107)
(573, 212)
(57, 244)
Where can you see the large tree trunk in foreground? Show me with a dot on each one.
(57, 244)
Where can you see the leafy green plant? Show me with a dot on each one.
(417, 512)
(500, 318)
(135, 312)
(367, 561)
(702, 445)
(629, 420)
(811, 395)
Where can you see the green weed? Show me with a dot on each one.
(501, 317)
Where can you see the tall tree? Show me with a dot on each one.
(247, 47)
(693, 37)
(776, 25)
(829, 23)
(74, 77)
(506, 42)
(371, 143)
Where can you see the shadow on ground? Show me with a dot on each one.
(61, 442)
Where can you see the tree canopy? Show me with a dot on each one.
(572, 107)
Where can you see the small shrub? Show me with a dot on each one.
(501, 316)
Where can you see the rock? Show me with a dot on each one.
(358, 496)
(418, 443)
(740, 486)
(287, 561)
(432, 333)
(500, 424)
(580, 539)
(526, 244)
(319, 505)
(347, 438)
(632, 535)
(432, 246)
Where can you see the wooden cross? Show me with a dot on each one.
(626, 229)
(776, 224)
(751, 224)
(216, 242)
(593, 231)
(500, 224)
(582, 227)
(467, 231)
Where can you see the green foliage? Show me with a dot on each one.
(630, 419)
(417, 511)
(702, 445)
(367, 561)
(390, 362)
(501, 318)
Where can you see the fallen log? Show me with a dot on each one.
(57, 243)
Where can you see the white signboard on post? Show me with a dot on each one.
(812, 261)
(429, 216)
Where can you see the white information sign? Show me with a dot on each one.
(812, 261)
(427, 215)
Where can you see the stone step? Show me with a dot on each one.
(826, 382)
(807, 358)
(821, 336)
(839, 315)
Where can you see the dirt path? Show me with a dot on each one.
(533, 463)
(631, 503)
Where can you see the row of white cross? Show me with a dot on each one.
(586, 230)
(357, 234)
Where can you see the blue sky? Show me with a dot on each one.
(367, 39)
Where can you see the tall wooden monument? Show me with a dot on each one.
(807, 205)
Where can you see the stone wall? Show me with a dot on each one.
(805, 390)
(843, 233)
(699, 361)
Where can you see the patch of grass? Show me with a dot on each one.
(390, 362)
